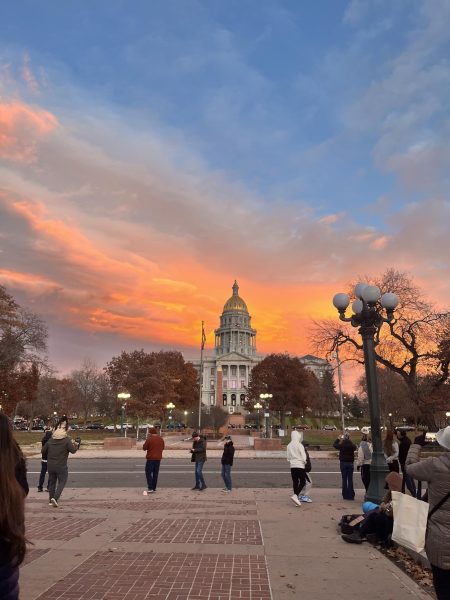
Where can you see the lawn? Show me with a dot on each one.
(25, 438)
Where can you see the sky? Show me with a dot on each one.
(151, 152)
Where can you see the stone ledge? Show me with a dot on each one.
(114, 443)
(267, 444)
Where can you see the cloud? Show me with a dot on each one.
(21, 128)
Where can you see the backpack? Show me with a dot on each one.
(308, 462)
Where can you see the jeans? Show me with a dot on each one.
(226, 476)
(298, 479)
(365, 476)
(151, 473)
(42, 475)
(57, 479)
(348, 493)
(408, 481)
(441, 581)
(199, 480)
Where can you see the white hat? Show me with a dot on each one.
(443, 437)
(365, 430)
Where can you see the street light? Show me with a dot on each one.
(447, 414)
(390, 420)
(123, 396)
(170, 407)
(266, 399)
(368, 317)
(258, 407)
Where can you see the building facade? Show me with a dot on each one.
(226, 374)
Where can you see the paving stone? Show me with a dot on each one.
(58, 527)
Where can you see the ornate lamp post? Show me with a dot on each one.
(447, 414)
(258, 407)
(170, 408)
(368, 317)
(266, 399)
(123, 396)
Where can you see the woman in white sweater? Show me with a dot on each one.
(296, 456)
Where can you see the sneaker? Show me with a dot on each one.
(295, 500)
(373, 538)
(353, 538)
(53, 502)
(40, 489)
(305, 499)
(50, 504)
(224, 489)
(195, 487)
(147, 492)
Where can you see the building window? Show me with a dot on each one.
(233, 370)
(211, 384)
(233, 399)
(225, 384)
(242, 398)
(233, 384)
(212, 399)
(242, 383)
(213, 371)
(225, 370)
(224, 399)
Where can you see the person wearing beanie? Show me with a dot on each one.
(154, 445)
(436, 472)
(296, 456)
(346, 458)
(227, 463)
(56, 452)
(198, 456)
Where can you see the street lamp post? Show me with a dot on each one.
(170, 407)
(368, 317)
(123, 396)
(390, 421)
(447, 414)
(258, 407)
(266, 399)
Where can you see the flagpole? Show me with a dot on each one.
(201, 378)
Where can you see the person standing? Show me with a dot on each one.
(227, 463)
(198, 452)
(13, 489)
(365, 457)
(296, 456)
(154, 445)
(436, 471)
(56, 452)
(390, 449)
(404, 444)
(347, 459)
(46, 437)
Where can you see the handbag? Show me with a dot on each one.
(410, 521)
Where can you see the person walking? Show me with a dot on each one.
(227, 463)
(296, 456)
(198, 452)
(45, 438)
(154, 445)
(347, 459)
(436, 471)
(56, 452)
(13, 490)
(364, 457)
(390, 448)
(404, 444)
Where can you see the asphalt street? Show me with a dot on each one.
(247, 473)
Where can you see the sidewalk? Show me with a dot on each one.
(113, 544)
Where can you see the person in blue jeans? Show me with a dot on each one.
(347, 451)
(198, 452)
(227, 463)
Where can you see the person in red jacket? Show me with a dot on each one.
(154, 445)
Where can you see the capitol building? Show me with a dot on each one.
(226, 374)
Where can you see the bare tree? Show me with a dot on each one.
(86, 381)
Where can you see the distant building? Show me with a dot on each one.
(226, 374)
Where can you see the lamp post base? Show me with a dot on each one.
(378, 472)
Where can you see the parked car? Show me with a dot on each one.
(302, 426)
(405, 428)
(329, 428)
(352, 428)
(95, 426)
(111, 427)
(430, 436)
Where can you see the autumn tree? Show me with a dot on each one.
(286, 379)
(86, 382)
(414, 345)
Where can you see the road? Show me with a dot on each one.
(247, 473)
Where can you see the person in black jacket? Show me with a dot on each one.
(46, 437)
(198, 452)
(13, 489)
(347, 458)
(404, 443)
(227, 463)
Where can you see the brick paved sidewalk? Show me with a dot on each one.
(182, 545)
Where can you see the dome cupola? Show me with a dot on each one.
(235, 302)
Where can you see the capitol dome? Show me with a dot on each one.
(235, 302)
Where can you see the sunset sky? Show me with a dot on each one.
(153, 151)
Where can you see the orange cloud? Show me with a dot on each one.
(21, 127)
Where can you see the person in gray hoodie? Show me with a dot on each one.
(56, 452)
(296, 456)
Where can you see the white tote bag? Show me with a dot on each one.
(410, 521)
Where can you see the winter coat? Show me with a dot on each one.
(364, 454)
(56, 451)
(436, 471)
(394, 453)
(199, 450)
(295, 451)
(346, 449)
(228, 453)
(154, 445)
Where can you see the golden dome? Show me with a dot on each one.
(235, 302)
